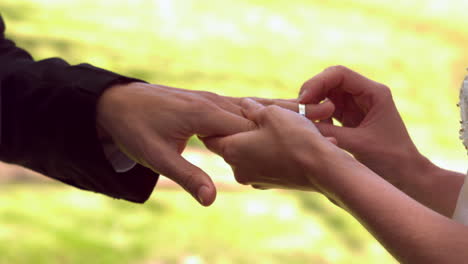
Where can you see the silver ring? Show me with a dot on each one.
(302, 109)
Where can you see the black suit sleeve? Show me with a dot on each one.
(48, 112)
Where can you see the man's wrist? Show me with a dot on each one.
(109, 102)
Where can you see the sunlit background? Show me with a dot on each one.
(264, 48)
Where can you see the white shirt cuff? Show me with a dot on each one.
(119, 161)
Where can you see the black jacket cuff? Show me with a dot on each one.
(49, 125)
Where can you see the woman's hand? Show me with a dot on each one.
(372, 129)
(282, 150)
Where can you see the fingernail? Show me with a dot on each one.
(202, 194)
(302, 95)
(326, 100)
(248, 103)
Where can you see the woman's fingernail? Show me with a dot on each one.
(248, 103)
(202, 194)
(302, 95)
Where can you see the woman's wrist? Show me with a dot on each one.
(440, 189)
(431, 185)
(415, 173)
(403, 167)
(327, 167)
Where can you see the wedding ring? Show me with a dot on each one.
(302, 109)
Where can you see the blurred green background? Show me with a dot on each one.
(265, 48)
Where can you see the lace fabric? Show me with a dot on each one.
(461, 210)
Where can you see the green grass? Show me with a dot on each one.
(54, 224)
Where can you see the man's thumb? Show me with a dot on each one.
(190, 177)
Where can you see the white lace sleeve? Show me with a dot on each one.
(461, 210)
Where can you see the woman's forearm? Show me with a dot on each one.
(411, 232)
(432, 186)
(442, 191)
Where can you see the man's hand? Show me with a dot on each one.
(372, 129)
(152, 124)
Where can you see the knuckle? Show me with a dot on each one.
(338, 68)
(268, 113)
(384, 88)
(304, 86)
(272, 109)
(385, 91)
(251, 125)
(204, 106)
(188, 180)
(200, 101)
(243, 102)
(263, 101)
(230, 155)
(240, 178)
(185, 97)
(210, 96)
